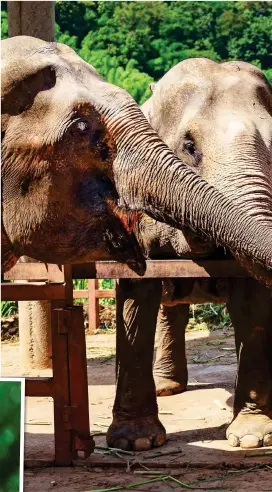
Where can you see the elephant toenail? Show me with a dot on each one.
(164, 392)
(159, 440)
(122, 444)
(233, 440)
(142, 444)
(250, 441)
(267, 440)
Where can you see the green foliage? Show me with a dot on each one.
(10, 413)
(65, 38)
(8, 308)
(4, 24)
(105, 283)
(268, 74)
(133, 43)
(211, 316)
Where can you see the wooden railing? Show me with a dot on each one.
(157, 268)
(55, 283)
(93, 294)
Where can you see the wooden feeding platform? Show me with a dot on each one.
(55, 284)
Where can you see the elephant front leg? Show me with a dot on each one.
(250, 308)
(135, 413)
(170, 368)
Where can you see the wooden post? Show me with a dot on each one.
(93, 304)
(34, 19)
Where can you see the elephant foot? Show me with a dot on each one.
(138, 434)
(169, 387)
(250, 431)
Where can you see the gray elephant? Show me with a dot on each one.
(77, 151)
(218, 119)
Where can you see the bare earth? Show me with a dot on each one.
(195, 422)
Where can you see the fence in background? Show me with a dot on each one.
(93, 294)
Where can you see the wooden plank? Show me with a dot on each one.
(68, 283)
(111, 269)
(62, 425)
(93, 306)
(99, 293)
(198, 299)
(79, 404)
(32, 292)
(35, 272)
(92, 313)
(105, 293)
(81, 293)
(41, 387)
(161, 269)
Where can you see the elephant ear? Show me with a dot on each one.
(19, 95)
(8, 257)
(25, 71)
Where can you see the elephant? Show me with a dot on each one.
(218, 119)
(80, 161)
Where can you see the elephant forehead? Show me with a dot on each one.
(223, 101)
(236, 82)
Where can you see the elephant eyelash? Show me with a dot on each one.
(190, 148)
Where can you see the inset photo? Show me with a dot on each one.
(12, 397)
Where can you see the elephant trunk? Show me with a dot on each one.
(151, 178)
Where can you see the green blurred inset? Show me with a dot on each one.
(10, 418)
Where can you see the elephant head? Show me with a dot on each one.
(217, 118)
(77, 152)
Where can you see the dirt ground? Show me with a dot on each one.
(89, 480)
(196, 452)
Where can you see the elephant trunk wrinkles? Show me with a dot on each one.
(150, 177)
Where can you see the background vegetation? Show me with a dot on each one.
(10, 416)
(134, 43)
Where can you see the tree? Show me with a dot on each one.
(133, 43)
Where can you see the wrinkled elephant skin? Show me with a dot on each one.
(75, 148)
(202, 110)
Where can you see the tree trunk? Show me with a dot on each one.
(35, 19)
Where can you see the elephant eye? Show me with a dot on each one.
(189, 146)
(82, 126)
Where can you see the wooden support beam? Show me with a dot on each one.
(60, 359)
(32, 292)
(161, 269)
(35, 19)
(100, 294)
(114, 270)
(41, 387)
(93, 305)
(82, 440)
(39, 272)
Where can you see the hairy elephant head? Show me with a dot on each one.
(75, 149)
(218, 119)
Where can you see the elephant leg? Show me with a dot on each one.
(250, 309)
(135, 422)
(170, 368)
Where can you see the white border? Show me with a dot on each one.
(22, 427)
